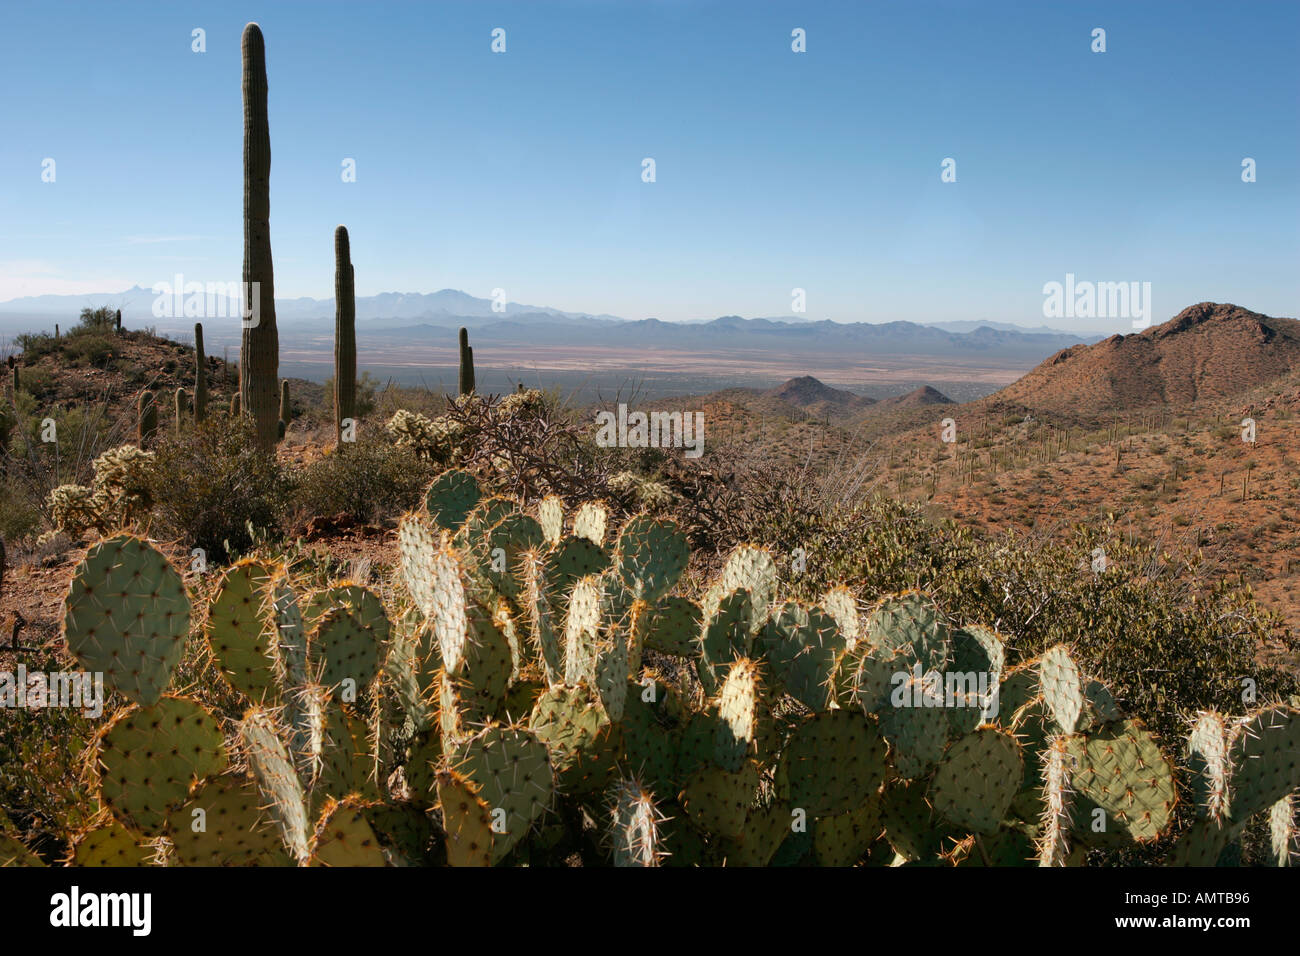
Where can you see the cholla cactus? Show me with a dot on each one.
(119, 495)
(433, 439)
(647, 492)
(525, 400)
(73, 508)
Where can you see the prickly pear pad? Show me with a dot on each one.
(465, 821)
(651, 556)
(241, 631)
(127, 616)
(674, 627)
(911, 620)
(1061, 687)
(280, 788)
(1265, 753)
(451, 497)
(977, 780)
(832, 763)
(589, 522)
(344, 836)
(1207, 755)
(804, 645)
(573, 725)
(550, 515)
(719, 801)
(512, 769)
(231, 830)
(350, 639)
(109, 844)
(1120, 768)
(634, 826)
(149, 757)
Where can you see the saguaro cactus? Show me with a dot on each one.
(117, 321)
(345, 334)
(259, 354)
(466, 364)
(180, 408)
(234, 405)
(147, 418)
(200, 375)
(285, 413)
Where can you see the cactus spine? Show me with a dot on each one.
(466, 364)
(147, 418)
(200, 375)
(259, 358)
(345, 334)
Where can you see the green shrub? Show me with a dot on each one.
(365, 479)
(36, 344)
(90, 348)
(212, 483)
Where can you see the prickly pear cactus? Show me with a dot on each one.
(127, 615)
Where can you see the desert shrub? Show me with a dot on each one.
(524, 445)
(35, 345)
(41, 765)
(211, 483)
(366, 479)
(90, 348)
(18, 516)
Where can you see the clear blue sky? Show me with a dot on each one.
(775, 170)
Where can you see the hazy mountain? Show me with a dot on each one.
(925, 395)
(815, 396)
(397, 320)
(138, 303)
(970, 325)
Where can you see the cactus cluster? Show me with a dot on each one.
(119, 494)
(544, 685)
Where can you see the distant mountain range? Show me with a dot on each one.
(444, 307)
(412, 306)
(420, 327)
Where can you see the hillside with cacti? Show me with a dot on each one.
(352, 624)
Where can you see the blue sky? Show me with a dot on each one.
(775, 170)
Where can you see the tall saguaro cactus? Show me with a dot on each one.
(146, 418)
(259, 354)
(286, 410)
(345, 333)
(466, 363)
(200, 375)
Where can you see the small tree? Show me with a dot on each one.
(101, 318)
